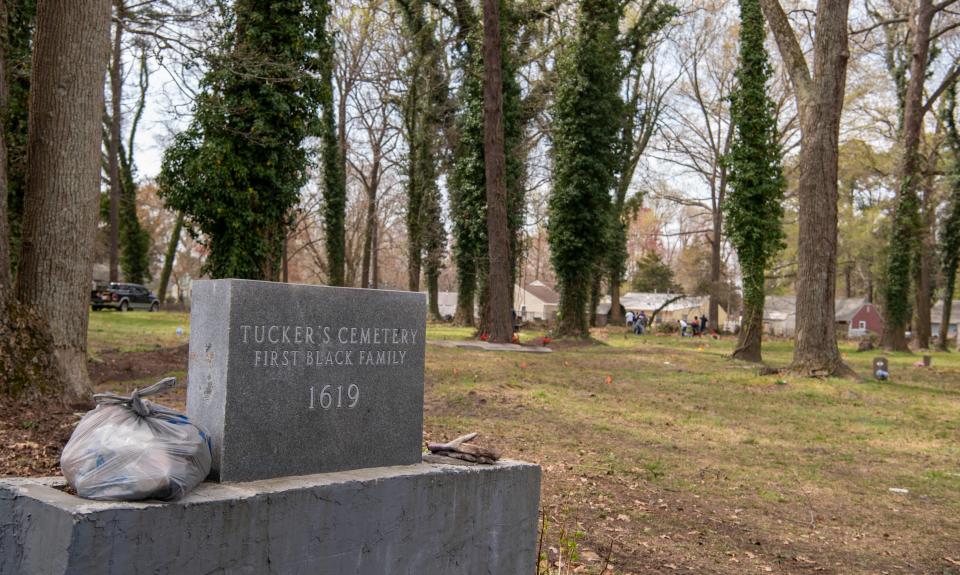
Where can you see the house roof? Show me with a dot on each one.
(847, 307)
(542, 292)
(779, 307)
(637, 301)
(645, 301)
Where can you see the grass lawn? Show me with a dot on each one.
(660, 455)
(136, 330)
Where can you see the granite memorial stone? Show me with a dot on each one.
(297, 379)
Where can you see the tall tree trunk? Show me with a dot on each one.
(370, 229)
(950, 229)
(169, 258)
(614, 304)
(466, 296)
(375, 258)
(285, 261)
(25, 343)
(70, 56)
(5, 279)
(816, 351)
(413, 268)
(820, 101)
(924, 291)
(571, 317)
(116, 94)
(433, 298)
(335, 198)
(848, 280)
(498, 233)
(749, 342)
(944, 333)
(414, 195)
(369, 232)
(483, 299)
(902, 252)
(596, 287)
(536, 264)
(716, 240)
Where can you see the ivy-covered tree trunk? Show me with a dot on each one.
(750, 339)
(950, 230)
(923, 294)
(716, 242)
(434, 237)
(468, 197)
(753, 205)
(372, 188)
(466, 295)
(21, 18)
(903, 247)
(169, 256)
(414, 192)
(135, 241)
(113, 145)
(334, 179)
(640, 119)
(237, 171)
(375, 259)
(426, 92)
(596, 288)
(6, 294)
(587, 120)
(25, 342)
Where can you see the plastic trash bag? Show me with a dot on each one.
(128, 448)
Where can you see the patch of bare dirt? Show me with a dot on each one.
(115, 366)
(33, 431)
(32, 434)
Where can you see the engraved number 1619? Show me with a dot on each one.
(330, 396)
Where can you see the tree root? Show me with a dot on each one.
(821, 371)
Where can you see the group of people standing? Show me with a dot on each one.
(695, 328)
(637, 321)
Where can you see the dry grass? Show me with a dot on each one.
(687, 462)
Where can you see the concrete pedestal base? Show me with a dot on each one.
(419, 520)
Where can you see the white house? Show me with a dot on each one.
(936, 316)
(536, 301)
(447, 301)
(683, 308)
(780, 315)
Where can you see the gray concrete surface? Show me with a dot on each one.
(487, 346)
(417, 520)
(296, 379)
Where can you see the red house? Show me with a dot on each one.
(858, 317)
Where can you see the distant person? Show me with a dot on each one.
(695, 327)
(683, 327)
(630, 318)
(704, 322)
(640, 325)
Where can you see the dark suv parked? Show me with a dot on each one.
(123, 297)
